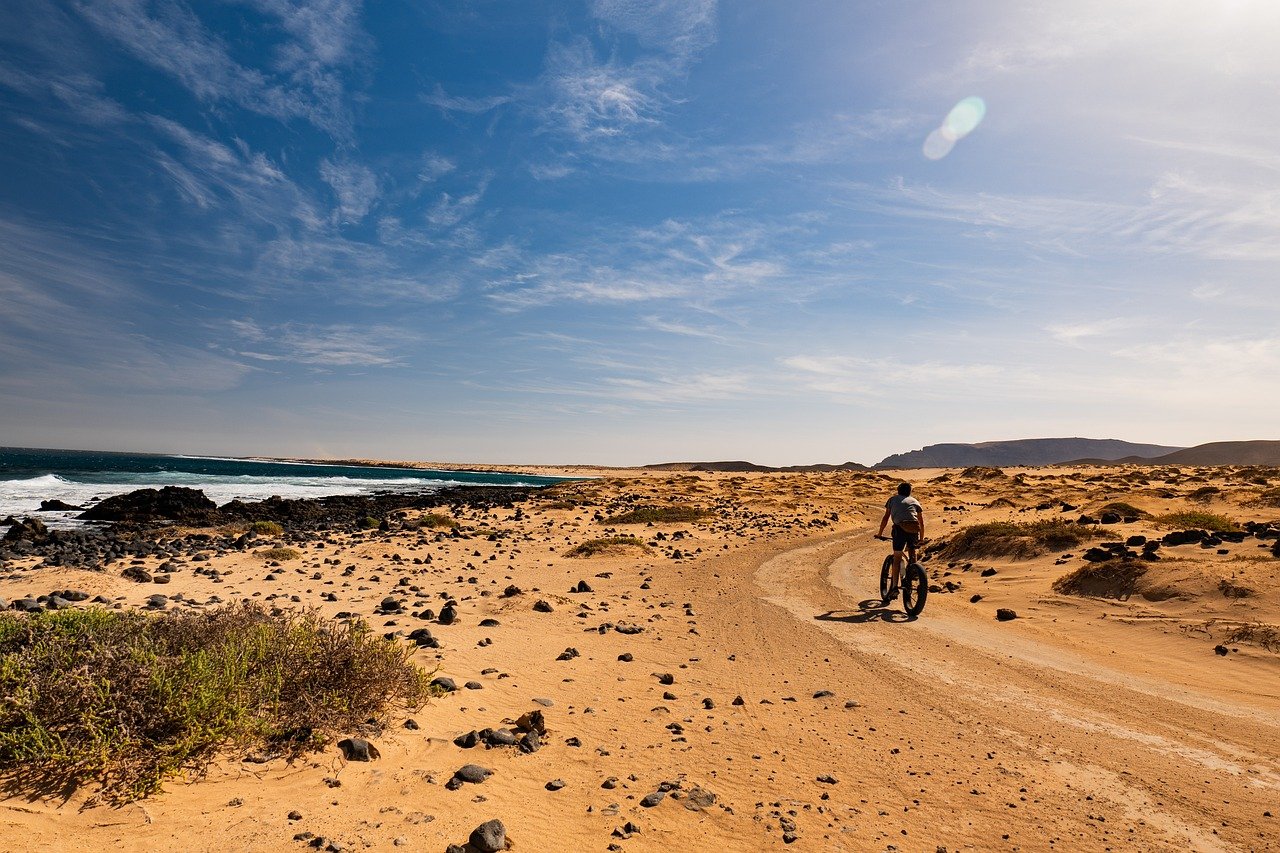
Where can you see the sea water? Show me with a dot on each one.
(80, 478)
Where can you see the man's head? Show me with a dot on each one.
(904, 489)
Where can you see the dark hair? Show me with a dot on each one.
(904, 489)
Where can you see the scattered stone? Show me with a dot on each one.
(1004, 614)
(358, 749)
(489, 837)
(651, 800)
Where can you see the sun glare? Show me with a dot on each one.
(963, 119)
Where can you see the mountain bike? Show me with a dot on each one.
(913, 579)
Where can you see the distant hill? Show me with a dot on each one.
(744, 467)
(1223, 453)
(1027, 451)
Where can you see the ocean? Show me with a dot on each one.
(80, 477)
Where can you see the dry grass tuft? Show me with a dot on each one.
(1020, 540)
(1198, 520)
(608, 545)
(266, 528)
(1234, 589)
(279, 554)
(1267, 636)
(1110, 579)
(126, 700)
(659, 515)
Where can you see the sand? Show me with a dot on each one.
(1084, 724)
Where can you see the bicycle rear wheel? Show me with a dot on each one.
(885, 571)
(915, 589)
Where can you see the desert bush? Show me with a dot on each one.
(266, 528)
(1109, 579)
(435, 519)
(1234, 589)
(658, 515)
(279, 554)
(1124, 509)
(126, 699)
(369, 523)
(1267, 636)
(1204, 494)
(1269, 497)
(1198, 520)
(602, 546)
(559, 505)
(1020, 540)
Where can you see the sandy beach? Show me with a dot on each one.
(735, 682)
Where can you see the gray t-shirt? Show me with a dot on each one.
(903, 508)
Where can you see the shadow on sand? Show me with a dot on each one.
(869, 610)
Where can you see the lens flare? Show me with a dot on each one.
(963, 119)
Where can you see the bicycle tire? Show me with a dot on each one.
(885, 572)
(915, 589)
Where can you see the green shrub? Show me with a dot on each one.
(1108, 579)
(1020, 540)
(369, 523)
(1198, 520)
(266, 528)
(126, 699)
(601, 546)
(658, 515)
(279, 554)
(435, 519)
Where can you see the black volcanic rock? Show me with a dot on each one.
(172, 503)
(56, 505)
(1029, 451)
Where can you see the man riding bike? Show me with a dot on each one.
(908, 528)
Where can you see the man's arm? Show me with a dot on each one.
(884, 521)
(921, 522)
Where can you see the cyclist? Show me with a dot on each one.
(908, 528)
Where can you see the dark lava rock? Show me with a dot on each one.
(445, 683)
(986, 573)
(1098, 555)
(531, 742)
(1184, 537)
(448, 614)
(554, 785)
(489, 623)
(172, 503)
(626, 657)
(541, 606)
(29, 529)
(358, 749)
(498, 737)
(975, 598)
(651, 800)
(472, 773)
(1220, 650)
(1004, 614)
(827, 779)
(582, 586)
(468, 740)
(489, 837)
(1111, 518)
(137, 573)
(56, 505)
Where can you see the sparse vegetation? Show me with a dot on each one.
(609, 544)
(1198, 520)
(658, 515)
(370, 523)
(1020, 540)
(266, 528)
(1123, 509)
(1234, 589)
(280, 554)
(433, 520)
(1204, 494)
(559, 505)
(1110, 579)
(1267, 636)
(1269, 497)
(126, 700)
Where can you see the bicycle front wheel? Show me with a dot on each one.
(885, 571)
(915, 589)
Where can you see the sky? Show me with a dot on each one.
(621, 232)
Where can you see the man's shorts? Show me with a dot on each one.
(901, 539)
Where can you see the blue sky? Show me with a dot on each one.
(624, 232)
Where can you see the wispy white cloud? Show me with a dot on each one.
(305, 81)
(435, 167)
(682, 28)
(356, 187)
(329, 346)
(437, 97)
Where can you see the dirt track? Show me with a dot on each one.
(994, 739)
